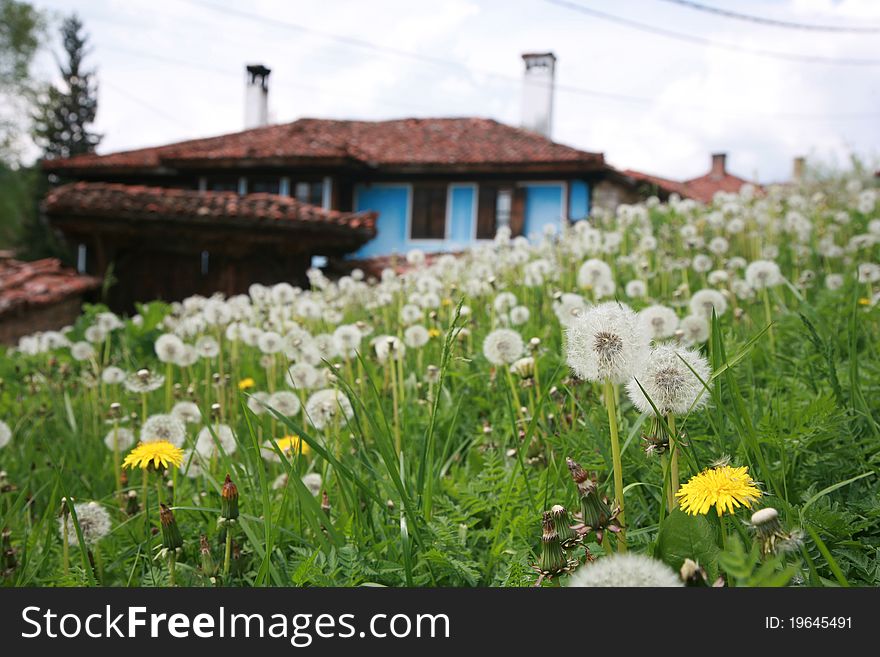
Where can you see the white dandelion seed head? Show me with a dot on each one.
(416, 336)
(593, 272)
(388, 347)
(207, 347)
(187, 412)
(410, 314)
(257, 401)
(192, 465)
(763, 273)
(5, 434)
(868, 272)
(504, 301)
(519, 315)
(503, 346)
(702, 263)
(667, 376)
(187, 357)
(694, 330)
(108, 321)
(635, 289)
(625, 570)
(606, 342)
(163, 427)
(568, 307)
(834, 281)
(270, 342)
(302, 376)
(82, 351)
(312, 481)
(348, 337)
(121, 436)
(659, 321)
(94, 523)
(325, 406)
(703, 302)
(285, 402)
(207, 447)
(95, 334)
(718, 277)
(112, 375)
(168, 347)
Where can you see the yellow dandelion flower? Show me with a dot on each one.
(433, 332)
(290, 444)
(244, 384)
(446, 302)
(156, 453)
(864, 301)
(724, 487)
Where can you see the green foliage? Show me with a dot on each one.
(682, 536)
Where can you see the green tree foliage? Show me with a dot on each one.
(65, 112)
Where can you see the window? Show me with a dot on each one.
(309, 192)
(499, 205)
(264, 186)
(223, 184)
(428, 212)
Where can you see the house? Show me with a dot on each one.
(39, 296)
(219, 213)
(702, 188)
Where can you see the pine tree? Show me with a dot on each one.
(61, 124)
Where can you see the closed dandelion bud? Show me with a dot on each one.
(325, 503)
(553, 559)
(132, 506)
(229, 500)
(568, 538)
(171, 538)
(208, 565)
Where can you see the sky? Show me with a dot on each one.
(170, 70)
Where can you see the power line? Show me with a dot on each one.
(726, 13)
(690, 38)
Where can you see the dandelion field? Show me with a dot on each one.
(671, 394)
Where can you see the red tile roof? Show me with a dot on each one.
(701, 189)
(413, 142)
(139, 202)
(39, 283)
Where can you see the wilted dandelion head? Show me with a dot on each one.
(503, 346)
(207, 446)
(625, 570)
(667, 376)
(163, 427)
(94, 523)
(659, 321)
(724, 487)
(703, 302)
(605, 343)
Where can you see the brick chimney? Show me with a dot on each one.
(537, 99)
(719, 166)
(256, 96)
(799, 165)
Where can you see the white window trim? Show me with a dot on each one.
(327, 193)
(203, 183)
(242, 186)
(284, 186)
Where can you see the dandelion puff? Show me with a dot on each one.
(123, 437)
(192, 465)
(325, 406)
(257, 402)
(302, 376)
(112, 375)
(270, 342)
(207, 347)
(5, 434)
(636, 289)
(668, 378)
(703, 302)
(163, 427)
(519, 315)
(168, 347)
(659, 321)
(388, 346)
(592, 272)
(416, 336)
(187, 412)
(605, 343)
(285, 402)
(625, 570)
(94, 523)
(763, 273)
(312, 481)
(206, 445)
(694, 330)
(503, 346)
(82, 351)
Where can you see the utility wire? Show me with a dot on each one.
(690, 38)
(761, 20)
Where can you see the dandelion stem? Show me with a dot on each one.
(227, 555)
(611, 406)
(65, 548)
(673, 462)
(172, 562)
(769, 319)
